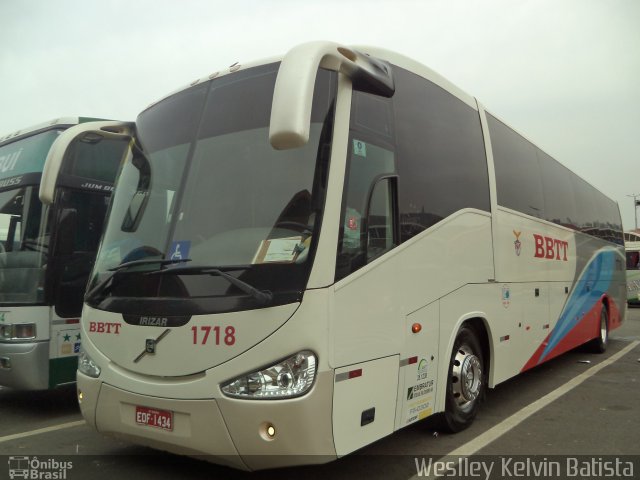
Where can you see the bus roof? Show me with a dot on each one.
(381, 53)
(56, 122)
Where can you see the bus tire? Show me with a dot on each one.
(599, 344)
(466, 381)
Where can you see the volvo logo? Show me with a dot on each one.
(150, 345)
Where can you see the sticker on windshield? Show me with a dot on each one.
(179, 250)
(359, 148)
(279, 250)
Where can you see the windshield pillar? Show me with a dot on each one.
(323, 271)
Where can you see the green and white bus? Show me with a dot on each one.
(47, 251)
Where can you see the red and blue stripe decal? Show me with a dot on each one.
(580, 318)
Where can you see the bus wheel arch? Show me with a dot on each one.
(467, 375)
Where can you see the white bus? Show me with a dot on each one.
(306, 254)
(47, 251)
(632, 249)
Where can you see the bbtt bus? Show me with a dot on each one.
(47, 250)
(306, 254)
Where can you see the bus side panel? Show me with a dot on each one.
(633, 287)
(366, 334)
(367, 317)
(374, 308)
(581, 273)
(63, 350)
(598, 286)
(501, 309)
(419, 366)
(364, 403)
(25, 364)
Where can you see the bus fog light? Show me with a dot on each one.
(87, 366)
(267, 431)
(291, 377)
(80, 397)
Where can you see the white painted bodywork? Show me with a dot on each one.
(464, 267)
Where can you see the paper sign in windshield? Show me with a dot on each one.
(278, 250)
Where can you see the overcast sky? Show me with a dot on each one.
(566, 73)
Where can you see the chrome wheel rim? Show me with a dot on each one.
(466, 376)
(603, 327)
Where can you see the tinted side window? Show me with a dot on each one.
(559, 202)
(616, 219)
(609, 227)
(518, 176)
(530, 181)
(440, 154)
(366, 162)
(586, 211)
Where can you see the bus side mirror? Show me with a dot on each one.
(90, 132)
(293, 94)
(134, 211)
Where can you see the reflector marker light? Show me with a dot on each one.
(408, 361)
(70, 321)
(348, 375)
(505, 338)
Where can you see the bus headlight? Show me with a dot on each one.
(87, 366)
(291, 377)
(18, 331)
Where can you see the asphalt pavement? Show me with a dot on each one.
(581, 406)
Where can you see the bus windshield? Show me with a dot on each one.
(204, 184)
(24, 245)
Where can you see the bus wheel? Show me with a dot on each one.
(599, 345)
(466, 382)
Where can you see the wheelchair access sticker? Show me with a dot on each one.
(179, 250)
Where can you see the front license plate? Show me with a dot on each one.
(154, 418)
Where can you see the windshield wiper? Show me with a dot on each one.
(146, 261)
(89, 296)
(262, 296)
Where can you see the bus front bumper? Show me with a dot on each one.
(24, 366)
(219, 430)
